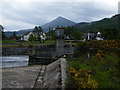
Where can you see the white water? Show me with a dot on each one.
(13, 61)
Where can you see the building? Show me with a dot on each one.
(26, 36)
(98, 36)
(14, 37)
(60, 37)
(43, 36)
(37, 35)
(93, 36)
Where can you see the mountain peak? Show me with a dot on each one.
(59, 21)
(60, 17)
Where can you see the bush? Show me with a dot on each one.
(105, 44)
(101, 70)
(82, 79)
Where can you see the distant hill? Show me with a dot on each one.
(81, 24)
(20, 32)
(114, 21)
(59, 21)
(8, 34)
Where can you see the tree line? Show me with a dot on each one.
(72, 33)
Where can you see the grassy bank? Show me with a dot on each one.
(100, 71)
(105, 44)
(13, 43)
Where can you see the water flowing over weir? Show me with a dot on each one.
(14, 61)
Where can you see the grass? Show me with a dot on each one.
(13, 43)
(104, 71)
(9, 41)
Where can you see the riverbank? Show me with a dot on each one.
(14, 43)
(99, 71)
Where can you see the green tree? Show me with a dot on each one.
(38, 37)
(32, 38)
(110, 33)
(2, 32)
(69, 31)
(77, 35)
(1, 28)
(38, 29)
(51, 34)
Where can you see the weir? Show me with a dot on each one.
(46, 54)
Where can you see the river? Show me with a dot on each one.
(14, 61)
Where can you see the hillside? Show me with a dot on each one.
(114, 21)
(59, 21)
(97, 25)
(20, 32)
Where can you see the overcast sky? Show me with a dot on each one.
(23, 14)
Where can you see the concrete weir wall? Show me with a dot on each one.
(54, 75)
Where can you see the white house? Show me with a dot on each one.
(43, 36)
(26, 36)
(98, 36)
(93, 36)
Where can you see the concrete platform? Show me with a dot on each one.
(21, 77)
(35, 77)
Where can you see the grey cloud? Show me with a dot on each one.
(36, 13)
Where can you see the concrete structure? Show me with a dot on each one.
(98, 36)
(26, 36)
(22, 77)
(60, 37)
(93, 36)
(14, 37)
(40, 76)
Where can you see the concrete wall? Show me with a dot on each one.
(54, 75)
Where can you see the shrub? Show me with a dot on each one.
(82, 79)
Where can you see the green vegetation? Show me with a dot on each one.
(110, 33)
(73, 33)
(14, 43)
(105, 44)
(2, 33)
(32, 38)
(51, 35)
(9, 41)
(112, 22)
(102, 69)
(38, 29)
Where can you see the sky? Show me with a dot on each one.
(23, 14)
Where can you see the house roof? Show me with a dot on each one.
(33, 33)
(27, 33)
(13, 37)
(59, 28)
(98, 33)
